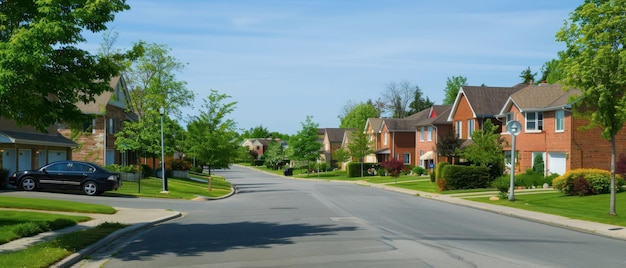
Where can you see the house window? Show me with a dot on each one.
(407, 158)
(111, 126)
(430, 133)
(93, 126)
(509, 117)
(534, 121)
(421, 133)
(385, 139)
(87, 127)
(421, 161)
(470, 128)
(459, 129)
(559, 121)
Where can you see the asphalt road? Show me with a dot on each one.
(278, 222)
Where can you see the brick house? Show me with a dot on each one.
(96, 139)
(333, 138)
(473, 106)
(23, 147)
(398, 138)
(551, 132)
(372, 129)
(433, 128)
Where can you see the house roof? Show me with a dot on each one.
(335, 135)
(542, 97)
(484, 101)
(375, 123)
(102, 100)
(406, 124)
(16, 137)
(438, 115)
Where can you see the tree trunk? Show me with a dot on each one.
(612, 210)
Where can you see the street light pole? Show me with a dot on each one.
(513, 127)
(162, 112)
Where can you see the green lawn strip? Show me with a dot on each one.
(18, 224)
(54, 205)
(593, 208)
(47, 253)
(177, 188)
(423, 186)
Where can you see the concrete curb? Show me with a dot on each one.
(78, 256)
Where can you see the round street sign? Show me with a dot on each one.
(513, 127)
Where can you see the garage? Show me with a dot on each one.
(557, 163)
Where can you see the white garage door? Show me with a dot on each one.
(556, 163)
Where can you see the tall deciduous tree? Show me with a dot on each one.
(40, 63)
(593, 62)
(274, 156)
(551, 72)
(356, 115)
(304, 145)
(360, 146)
(453, 85)
(486, 150)
(212, 134)
(397, 97)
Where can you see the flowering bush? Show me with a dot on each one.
(586, 181)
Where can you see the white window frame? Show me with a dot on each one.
(93, 126)
(470, 128)
(430, 133)
(559, 117)
(111, 126)
(385, 138)
(406, 157)
(421, 133)
(537, 122)
(509, 117)
(459, 129)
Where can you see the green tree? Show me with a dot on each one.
(341, 155)
(527, 76)
(453, 85)
(40, 62)
(212, 134)
(486, 150)
(551, 72)
(393, 167)
(593, 61)
(360, 146)
(356, 116)
(305, 145)
(256, 132)
(274, 156)
(449, 147)
(419, 103)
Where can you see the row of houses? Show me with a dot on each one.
(550, 130)
(23, 147)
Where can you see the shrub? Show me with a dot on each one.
(353, 169)
(393, 167)
(439, 169)
(121, 168)
(4, 174)
(147, 171)
(467, 177)
(30, 228)
(598, 181)
(442, 185)
(197, 169)
(502, 184)
(538, 164)
(419, 170)
(258, 162)
(180, 164)
(432, 177)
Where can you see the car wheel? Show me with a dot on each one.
(29, 184)
(90, 188)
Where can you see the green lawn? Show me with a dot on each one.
(47, 253)
(55, 205)
(18, 224)
(589, 208)
(177, 188)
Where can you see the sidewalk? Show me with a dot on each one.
(607, 230)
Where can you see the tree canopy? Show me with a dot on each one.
(593, 62)
(356, 115)
(40, 62)
(304, 144)
(453, 85)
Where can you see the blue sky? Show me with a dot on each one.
(282, 60)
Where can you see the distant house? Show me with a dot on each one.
(24, 147)
(96, 139)
(259, 145)
(551, 133)
(429, 132)
(333, 138)
(372, 129)
(398, 139)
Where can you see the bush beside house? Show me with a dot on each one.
(586, 181)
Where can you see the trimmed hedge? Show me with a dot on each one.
(587, 181)
(353, 169)
(465, 177)
(439, 169)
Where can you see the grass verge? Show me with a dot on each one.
(593, 208)
(47, 253)
(18, 224)
(177, 188)
(54, 205)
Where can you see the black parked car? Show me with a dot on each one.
(88, 177)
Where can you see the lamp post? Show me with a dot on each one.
(162, 112)
(513, 127)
